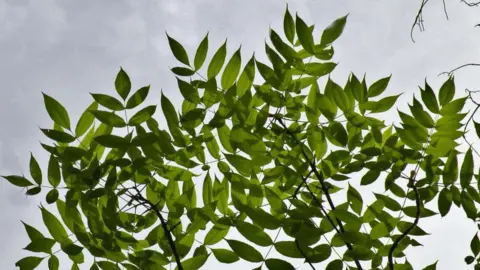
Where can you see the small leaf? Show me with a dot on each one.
(289, 25)
(447, 92)
(169, 111)
(178, 50)
(29, 263)
(189, 92)
(138, 97)
(370, 177)
(108, 102)
(52, 196)
(201, 53)
(53, 171)
(109, 118)
(444, 201)
(217, 61)
(466, 172)
(277, 264)
(41, 245)
(432, 266)
(429, 99)
(215, 235)
(246, 78)
(86, 120)
(112, 141)
(378, 87)
(304, 35)
(245, 251)
(450, 171)
(58, 136)
(333, 31)
(123, 84)
(35, 170)
(225, 255)
(378, 231)
(56, 111)
(231, 70)
(335, 265)
(56, 229)
(18, 181)
(53, 263)
(142, 115)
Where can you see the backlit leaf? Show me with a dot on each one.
(245, 251)
(108, 102)
(178, 50)
(138, 97)
(123, 84)
(201, 53)
(217, 61)
(333, 31)
(56, 111)
(231, 70)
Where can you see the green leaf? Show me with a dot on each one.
(35, 170)
(56, 111)
(182, 71)
(169, 111)
(71, 249)
(389, 202)
(189, 92)
(454, 107)
(469, 259)
(447, 92)
(207, 191)
(378, 87)
(53, 263)
(243, 165)
(123, 84)
(245, 251)
(86, 120)
(466, 172)
(355, 199)
(378, 231)
(420, 115)
(370, 177)
(444, 201)
(429, 99)
(41, 245)
(52, 196)
(53, 171)
(289, 25)
(217, 61)
(138, 97)
(142, 115)
(108, 102)
(225, 255)
(468, 205)
(384, 104)
(195, 262)
(335, 265)
(432, 266)
(33, 233)
(319, 69)
(56, 229)
(450, 171)
(18, 181)
(304, 35)
(33, 191)
(109, 118)
(58, 136)
(253, 233)
(216, 234)
(231, 70)
(288, 248)
(29, 263)
(178, 50)
(277, 264)
(112, 141)
(201, 53)
(333, 31)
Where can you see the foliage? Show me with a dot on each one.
(282, 147)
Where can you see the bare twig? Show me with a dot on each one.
(449, 73)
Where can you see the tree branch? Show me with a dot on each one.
(324, 188)
(165, 228)
(304, 255)
(449, 73)
(411, 184)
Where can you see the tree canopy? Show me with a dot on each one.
(259, 149)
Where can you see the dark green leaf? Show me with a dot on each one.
(58, 136)
(335, 265)
(56, 111)
(52, 196)
(53, 171)
(123, 84)
(18, 181)
(429, 99)
(142, 115)
(108, 102)
(225, 255)
(447, 92)
(169, 111)
(215, 235)
(217, 61)
(56, 229)
(245, 251)
(201, 53)
(138, 97)
(29, 263)
(277, 264)
(109, 118)
(53, 263)
(178, 51)
(86, 120)
(231, 70)
(35, 170)
(289, 25)
(189, 92)
(378, 87)
(333, 31)
(444, 201)
(112, 141)
(370, 177)
(304, 35)
(466, 172)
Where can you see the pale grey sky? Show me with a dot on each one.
(69, 48)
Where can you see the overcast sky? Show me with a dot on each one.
(70, 48)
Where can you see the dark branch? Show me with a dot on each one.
(304, 255)
(449, 73)
(324, 188)
(411, 184)
(164, 226)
